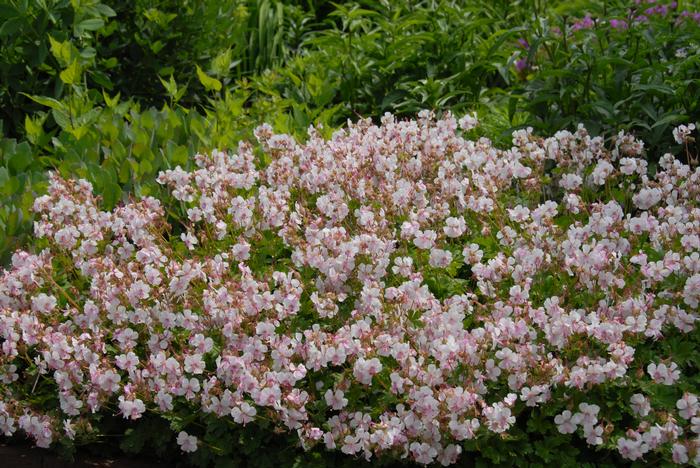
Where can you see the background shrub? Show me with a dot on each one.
(635, 68)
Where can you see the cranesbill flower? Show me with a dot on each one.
(567, 422)
(187, 443)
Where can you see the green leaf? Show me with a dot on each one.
(576, 7)
(8, 185)
(669, 118)
(663, 89)
(33, 128)
(62, 119)
(8, 11)
(11, 26)
(110, 102)
(207, 81)
(105, 10)
(22, 157)
(102, 79)
(47, 101)
(62, 51)
(221, 63)
(172, 88)
(111, 195)
(71, 75)
(90, 24)
(178, 155)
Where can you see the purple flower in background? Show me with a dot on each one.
(695, 16)
(585, 23)
(522, 64)
(618, 24)
(657, 10)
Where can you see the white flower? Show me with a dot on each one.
(365, 369)
(244, 413)
(567, 422)
(187, 443)
(679, 453)
(335, 399)
(499, 417)
(593, 434)
(440, 258)
(682, 133)
(468, 122)
(425, 239)
(688, 406)
(664, 374)
(646, 198)
(43, 303)
(454, 227)
(640, 404)
(589, 414)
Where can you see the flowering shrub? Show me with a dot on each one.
(397, 291)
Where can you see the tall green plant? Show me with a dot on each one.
(610, 67)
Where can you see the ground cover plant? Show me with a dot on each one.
(399, 291)
(148, 98)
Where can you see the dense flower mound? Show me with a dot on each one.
(396, 290)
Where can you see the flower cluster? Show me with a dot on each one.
(396, 289)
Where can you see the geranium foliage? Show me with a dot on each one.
(397, 290)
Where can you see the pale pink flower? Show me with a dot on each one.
(187, 443)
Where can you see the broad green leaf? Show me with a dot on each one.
(101, 79)
(11, 26)
(181, 155)
(79, 132)
(111, 194)
(47, 101)
(207, 81)
(221, 63)
(22, 157)
(156, 46)
(71, 75)
(62, 119)
(105, 10)
(62, 51)
(90, 24)
(8, 11)
(670, 118)
(88, 53)
(655, 87)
